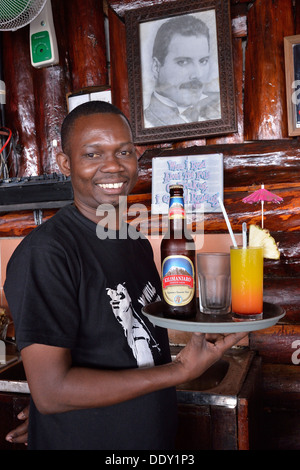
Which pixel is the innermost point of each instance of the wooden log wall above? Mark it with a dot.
(36, 98)
(259, 152)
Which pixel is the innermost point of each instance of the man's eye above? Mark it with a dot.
(125, 153)
(182, 62)
(204, 61)
(92, 155)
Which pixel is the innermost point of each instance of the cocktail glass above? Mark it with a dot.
(246, 264)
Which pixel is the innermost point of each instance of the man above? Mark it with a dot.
(181, 68)
(76, 302)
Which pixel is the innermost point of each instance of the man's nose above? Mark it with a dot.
(111, 164)
(197, 71)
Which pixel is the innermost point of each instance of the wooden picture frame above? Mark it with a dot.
(292, 77)
(214, 95)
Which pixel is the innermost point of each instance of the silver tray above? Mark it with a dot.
(205, 323)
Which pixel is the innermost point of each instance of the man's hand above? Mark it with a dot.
(19, 435)
(202, 351)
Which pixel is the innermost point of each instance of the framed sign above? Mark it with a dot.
(88, 94)
(292, 75)
(200, 175)
(180, 70)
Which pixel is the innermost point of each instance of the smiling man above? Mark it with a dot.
(98, 370)
(103, 167)
(181, 68)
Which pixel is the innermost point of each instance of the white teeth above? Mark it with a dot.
(111, 185)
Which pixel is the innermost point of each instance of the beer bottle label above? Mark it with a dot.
(178, 280)
(176, 208)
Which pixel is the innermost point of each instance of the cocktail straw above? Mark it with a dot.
(244, 231)
(227, 222)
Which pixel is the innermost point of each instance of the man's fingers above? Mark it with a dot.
(24, 414)
(230, 340)
(18, 435)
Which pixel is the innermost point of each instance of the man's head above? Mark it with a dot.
(99, 155)
(86, 109)
(181, 53)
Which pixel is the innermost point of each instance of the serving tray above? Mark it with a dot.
(206, 323)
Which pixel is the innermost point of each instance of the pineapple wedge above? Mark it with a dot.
(261, 237)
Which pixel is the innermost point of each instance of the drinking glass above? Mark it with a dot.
(247, 282)
(214, 282)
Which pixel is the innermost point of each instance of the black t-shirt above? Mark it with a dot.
(67, 287)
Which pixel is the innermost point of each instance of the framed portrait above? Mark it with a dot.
(180, 70)
(292, 76)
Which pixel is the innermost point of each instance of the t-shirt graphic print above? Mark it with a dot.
(139, 337)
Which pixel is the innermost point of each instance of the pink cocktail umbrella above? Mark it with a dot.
(262, 195)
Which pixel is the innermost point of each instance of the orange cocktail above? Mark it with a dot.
(247, 281)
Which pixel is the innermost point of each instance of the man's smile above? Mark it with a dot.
(110, 185)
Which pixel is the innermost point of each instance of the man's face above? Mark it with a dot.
(102, 161)
(185, 70)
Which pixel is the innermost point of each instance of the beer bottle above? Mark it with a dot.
(178, 261)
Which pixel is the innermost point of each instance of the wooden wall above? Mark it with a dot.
(259, 152)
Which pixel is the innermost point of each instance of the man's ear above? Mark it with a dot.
(155, 67)
(63, 162)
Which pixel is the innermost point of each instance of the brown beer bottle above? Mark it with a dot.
(178, 261)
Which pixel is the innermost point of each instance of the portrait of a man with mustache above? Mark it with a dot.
(181, 67)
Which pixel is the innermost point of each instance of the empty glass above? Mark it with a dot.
(214, 282)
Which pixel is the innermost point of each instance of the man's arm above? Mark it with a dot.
(56, 386)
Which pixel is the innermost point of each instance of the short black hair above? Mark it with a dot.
(186, 25)
(85, 109)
